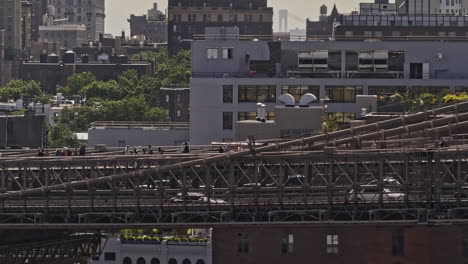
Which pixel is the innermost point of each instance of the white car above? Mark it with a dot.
(193, 197)
(372, 193)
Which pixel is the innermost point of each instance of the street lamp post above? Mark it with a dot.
(325, 100)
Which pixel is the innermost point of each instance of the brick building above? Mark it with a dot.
(187, 18)
(177, 102)
(152, 26)
(342, 243)
(324, 27)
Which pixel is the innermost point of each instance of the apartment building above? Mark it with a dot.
(10, 21)
(91, 13)
(229, 77)
(187, 19)
(405, 19)
(39, 9)
(153, 27)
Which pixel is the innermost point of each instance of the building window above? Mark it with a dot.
(332, 244)
(416, 70)
(212, 53)
(167, 98)
(141, 260)
(465, 246)
(200, 261)
(243, 243)
(172, 261)
(243, 116)
(186, 261)
(178, 113)
(127, 260)
(227, 93)
(228, 53)
(297, 91)
(257, 93)
(155, 261)
(339, 94)
(287, 244)
(398, 245)
(109, 256)
(227, 120)
(220, 18)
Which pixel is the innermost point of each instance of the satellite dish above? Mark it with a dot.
(307, 99)
(287, 99)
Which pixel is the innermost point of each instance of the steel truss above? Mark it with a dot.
(75, 249)
(255, 188)
(252, 186)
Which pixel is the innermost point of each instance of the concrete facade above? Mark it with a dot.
(88, 13)
(189, 18)
(289, 121)
(441, 66)
(152, 253)
(121, 134)
(68, 36)
(22, 131)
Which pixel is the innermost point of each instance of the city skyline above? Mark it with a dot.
(120, 11)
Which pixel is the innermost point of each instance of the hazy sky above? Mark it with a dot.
(118, 11)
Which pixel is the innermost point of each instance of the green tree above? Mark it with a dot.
(104, 90)
(16, 89)
(61, 136)
(76, 82)
(170, 70)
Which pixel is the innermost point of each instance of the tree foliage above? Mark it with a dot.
(129, 109)
(16, 89)
(76, 82)
(61, 136)
(171, 70)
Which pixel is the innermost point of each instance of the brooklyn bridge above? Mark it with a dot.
(408, 168)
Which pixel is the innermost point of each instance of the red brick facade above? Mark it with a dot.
(426, 244)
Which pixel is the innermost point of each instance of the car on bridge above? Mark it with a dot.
(292, 181)
(462, 193)
(196, 198)
(372, 193)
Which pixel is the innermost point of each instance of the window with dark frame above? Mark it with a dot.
(332, 244)
(465, 247)
(287, 244)
(398, 245)
(243, 243)
(227, 120)
(257, 93)
(343, 94)
(227, 93)
(109, 256)
(243, 116)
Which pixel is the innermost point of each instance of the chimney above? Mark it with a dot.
(155, 6)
